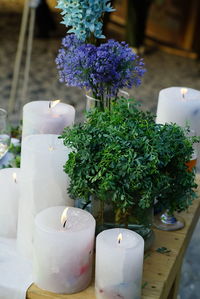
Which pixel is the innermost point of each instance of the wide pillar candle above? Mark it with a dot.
(63, 254)
(43, 183)
(44, 117)
(119, 264)
(181, 106)
(9, 186)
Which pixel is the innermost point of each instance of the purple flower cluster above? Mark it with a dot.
(103, 70)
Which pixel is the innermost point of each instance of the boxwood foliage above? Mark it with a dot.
(122, 156)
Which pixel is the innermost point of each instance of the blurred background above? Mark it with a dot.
(166, 33)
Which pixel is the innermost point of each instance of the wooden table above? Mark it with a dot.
(161, 271)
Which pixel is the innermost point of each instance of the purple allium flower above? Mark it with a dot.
(103, 70)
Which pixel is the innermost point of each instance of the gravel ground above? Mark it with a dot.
(163, 70)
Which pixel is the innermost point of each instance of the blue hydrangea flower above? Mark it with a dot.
(103, 70)
(84, 16)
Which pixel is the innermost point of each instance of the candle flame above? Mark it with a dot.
(64, 217)
(119, 238)
(14, 177)
(53, 103)
(183, 92)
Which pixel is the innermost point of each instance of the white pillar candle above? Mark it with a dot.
(119, 264)
(9, 188)
(43, 183)
(63, 254)
(42, 117)
(181, 106)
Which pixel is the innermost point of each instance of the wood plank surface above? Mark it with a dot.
(161, 271)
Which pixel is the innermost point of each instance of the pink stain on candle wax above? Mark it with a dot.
(84, 269)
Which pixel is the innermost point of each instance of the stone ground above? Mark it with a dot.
(163, 70)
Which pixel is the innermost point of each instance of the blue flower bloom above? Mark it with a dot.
(84, 16)
(103, 70)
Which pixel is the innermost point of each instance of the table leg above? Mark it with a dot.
(175, 287)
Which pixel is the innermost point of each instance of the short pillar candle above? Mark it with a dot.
(63, 249)
(119, 264)
(9, 186)
(46, 117)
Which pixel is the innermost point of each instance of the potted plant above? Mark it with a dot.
(117, 165)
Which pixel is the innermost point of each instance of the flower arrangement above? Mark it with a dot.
(101, 69)
(126, 160)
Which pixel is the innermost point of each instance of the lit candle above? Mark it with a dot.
(43, 183)
(9, 201)
(119, 264)
(44, 117)
(63, 249)
(181, 106)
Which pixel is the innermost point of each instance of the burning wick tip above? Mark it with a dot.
(119, 241)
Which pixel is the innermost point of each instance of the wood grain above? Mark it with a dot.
(161, 271)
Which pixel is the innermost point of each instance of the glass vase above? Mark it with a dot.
(101, 104)
(107, 216)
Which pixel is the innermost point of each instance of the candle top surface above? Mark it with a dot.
(9, 174)
(121, 238)
(180, 94)
(40, 108)
(44, 142)
(49, 220)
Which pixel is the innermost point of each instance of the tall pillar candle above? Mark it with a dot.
(9, 186)
(119, 264)
(44, 117)
(43, 182)
(63, 249)
(181, 106)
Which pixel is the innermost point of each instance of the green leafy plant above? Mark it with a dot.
(122, 157)
(176, 183)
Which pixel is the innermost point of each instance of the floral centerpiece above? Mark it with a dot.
(119, 161)
(101, 69)
(126, 161)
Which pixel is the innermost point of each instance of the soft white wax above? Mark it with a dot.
(43, 183)
(119, 265)
(9, 188)
(181, 106)
(39, 118)
(63, 256)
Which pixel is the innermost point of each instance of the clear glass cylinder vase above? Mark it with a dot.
(108, 216)
(101, 104)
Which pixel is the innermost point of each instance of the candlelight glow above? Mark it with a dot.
(14, 177)
(64, 217)
(183, 92)
(53, 103)
(119, 238)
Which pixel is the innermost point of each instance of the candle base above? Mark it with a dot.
(167, 222)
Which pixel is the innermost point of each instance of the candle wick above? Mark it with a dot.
(64, 223)
(49, 105)
(183, 96)
(119, 241)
